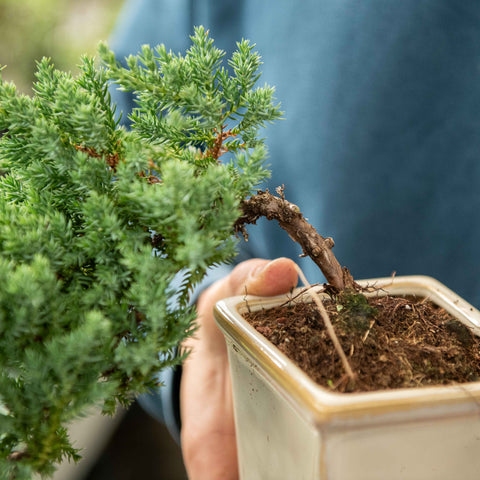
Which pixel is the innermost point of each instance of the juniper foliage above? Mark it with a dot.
(96, 222)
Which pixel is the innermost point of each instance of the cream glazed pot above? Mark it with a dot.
(288, 427)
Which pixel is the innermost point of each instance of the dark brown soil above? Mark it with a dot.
(393, 342)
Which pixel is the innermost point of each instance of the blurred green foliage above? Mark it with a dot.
(60, 29)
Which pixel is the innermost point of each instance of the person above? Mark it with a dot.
(379, 148)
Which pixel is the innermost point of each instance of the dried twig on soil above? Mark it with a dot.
(328, 325)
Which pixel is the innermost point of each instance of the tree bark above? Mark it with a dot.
(289, 217)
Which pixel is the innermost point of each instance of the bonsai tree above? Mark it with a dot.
(104, 231)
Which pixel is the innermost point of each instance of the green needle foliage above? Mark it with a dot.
(104, 231)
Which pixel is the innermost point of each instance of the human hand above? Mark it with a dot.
(208, 430)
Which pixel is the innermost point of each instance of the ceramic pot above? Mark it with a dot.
(288, 427)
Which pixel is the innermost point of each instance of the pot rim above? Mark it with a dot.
(324, 405)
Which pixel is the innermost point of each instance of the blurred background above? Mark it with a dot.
(60, 29)
(131, 446)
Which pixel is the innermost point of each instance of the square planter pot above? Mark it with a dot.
(288, 427)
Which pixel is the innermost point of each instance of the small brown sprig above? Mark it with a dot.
(112, 159)
(218, 148)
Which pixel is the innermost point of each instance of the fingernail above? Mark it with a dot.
(259, 270)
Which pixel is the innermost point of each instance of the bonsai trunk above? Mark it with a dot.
(289, 217)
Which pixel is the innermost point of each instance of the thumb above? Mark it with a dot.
(263, 277)
(254, 277)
